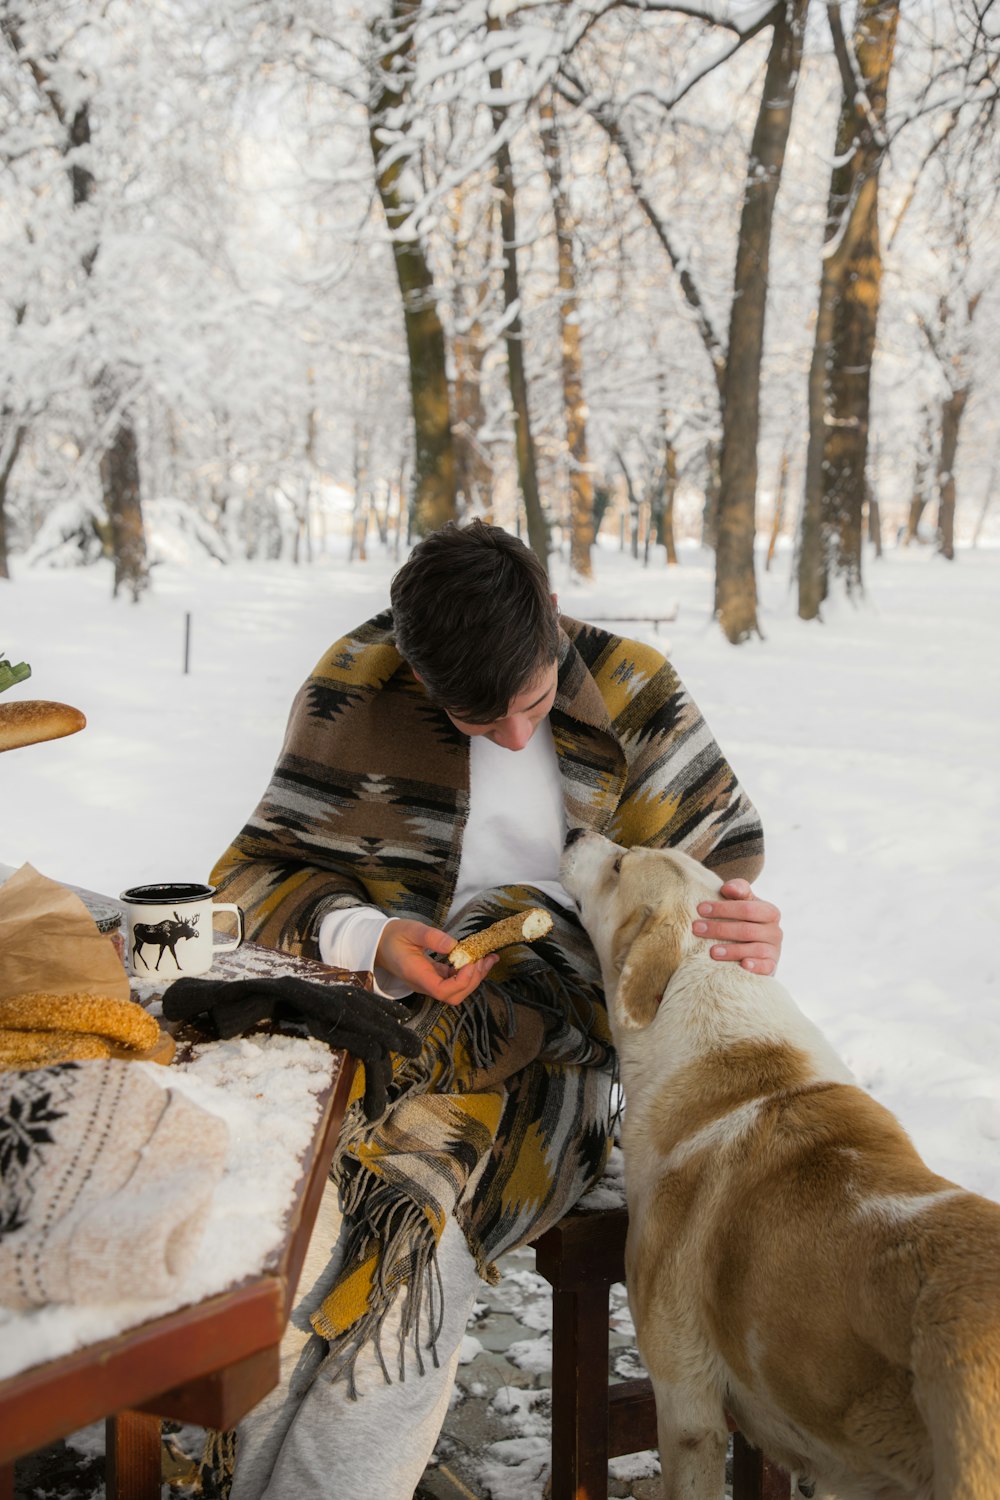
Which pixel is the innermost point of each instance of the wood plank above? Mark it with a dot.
(223, 1398)
(43, 1404)
(133, 1459)
(631, 1417)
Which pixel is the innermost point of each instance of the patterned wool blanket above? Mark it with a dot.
(367, 804)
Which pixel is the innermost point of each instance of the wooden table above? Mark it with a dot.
(206, 1364)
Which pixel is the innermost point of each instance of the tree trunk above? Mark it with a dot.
(987, 499)
(921, 470)
(119, 465)
(780, 501)
(845, 450)
(951, 421)
(434, 496)
(847, 319)
(358, 551)
(812, 542)
(527, 472)
(473, 464)
(122, 500)
(954, 362)
(917, 504)
(710, 509)
(666, 526)
(735, 585)
(581, 486)
(9, 459)
(874, 522)
(304, 535)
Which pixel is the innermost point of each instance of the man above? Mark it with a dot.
(432, 766)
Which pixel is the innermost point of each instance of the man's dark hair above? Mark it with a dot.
(473, 616)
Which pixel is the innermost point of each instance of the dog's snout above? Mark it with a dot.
(573, 835)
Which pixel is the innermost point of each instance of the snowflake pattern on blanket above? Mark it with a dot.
(26, 1113)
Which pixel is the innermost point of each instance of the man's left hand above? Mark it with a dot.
(745, 930)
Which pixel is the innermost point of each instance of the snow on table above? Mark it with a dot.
(267, 1089)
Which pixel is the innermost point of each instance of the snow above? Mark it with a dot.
(868, 742)
(267, 1089)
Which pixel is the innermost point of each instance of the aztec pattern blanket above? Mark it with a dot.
(510, 1096)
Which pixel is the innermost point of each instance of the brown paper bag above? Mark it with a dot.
(50, 942)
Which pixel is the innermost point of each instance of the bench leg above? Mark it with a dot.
(580, 1345)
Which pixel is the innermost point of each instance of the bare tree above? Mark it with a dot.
(434, 477)
(780, 501)
(119, 461)
(920, 493)
(955, 368)
(736, 366)
(847, 319)
(735, 584)
(581, 486)
(469, 346)
(524, 446)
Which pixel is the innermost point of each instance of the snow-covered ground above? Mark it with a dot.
(869, 743)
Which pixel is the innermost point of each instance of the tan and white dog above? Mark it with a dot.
(791, 1259)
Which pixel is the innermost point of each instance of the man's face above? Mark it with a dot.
(523, 716)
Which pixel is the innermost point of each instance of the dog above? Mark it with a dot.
(791, 1260)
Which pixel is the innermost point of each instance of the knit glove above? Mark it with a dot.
(344, 1015)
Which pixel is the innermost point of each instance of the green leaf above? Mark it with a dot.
(9, 674)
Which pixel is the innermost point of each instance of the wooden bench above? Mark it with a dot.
(593, 1420)
(655, 620)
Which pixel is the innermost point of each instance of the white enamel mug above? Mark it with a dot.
(171, 929)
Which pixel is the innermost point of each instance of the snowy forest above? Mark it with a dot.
(276, 274)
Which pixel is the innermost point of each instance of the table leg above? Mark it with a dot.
(6, 1482)
(132, 1460)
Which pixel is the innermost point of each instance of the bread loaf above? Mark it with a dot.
(34, 719)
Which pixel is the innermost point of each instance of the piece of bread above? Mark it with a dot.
(42, 1049)
(95, 1015)
(522, 927)
(34, 719)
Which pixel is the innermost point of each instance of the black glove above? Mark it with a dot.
(344, 1015)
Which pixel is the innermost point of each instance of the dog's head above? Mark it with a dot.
(637, 906)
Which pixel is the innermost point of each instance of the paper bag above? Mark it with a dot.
(50, 942)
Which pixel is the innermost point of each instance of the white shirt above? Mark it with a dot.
(514, 835)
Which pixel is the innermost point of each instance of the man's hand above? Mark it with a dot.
(404, 950)
(748, 931)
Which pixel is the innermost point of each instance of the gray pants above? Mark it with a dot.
(308, 1438)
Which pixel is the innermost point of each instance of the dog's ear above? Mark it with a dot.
(650, 949)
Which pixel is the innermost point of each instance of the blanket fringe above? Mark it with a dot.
(392, 1231)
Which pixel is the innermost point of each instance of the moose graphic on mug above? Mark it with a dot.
(176, 917)
(164, 935)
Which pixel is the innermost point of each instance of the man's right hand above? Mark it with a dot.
(404, 950)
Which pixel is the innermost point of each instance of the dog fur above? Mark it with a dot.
(790, 1258)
